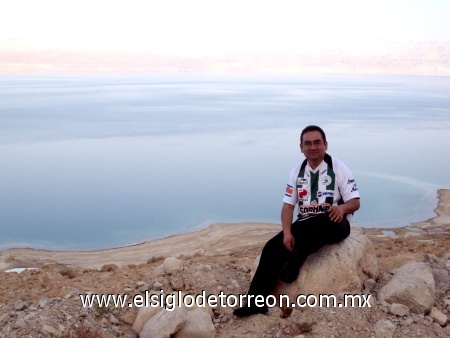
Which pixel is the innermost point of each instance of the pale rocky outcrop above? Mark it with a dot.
(412, 285)
(341, 267)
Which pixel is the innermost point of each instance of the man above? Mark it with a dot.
(327, 196)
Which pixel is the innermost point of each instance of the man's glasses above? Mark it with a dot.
(309, 144)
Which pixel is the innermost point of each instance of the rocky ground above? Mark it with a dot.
(45, 302)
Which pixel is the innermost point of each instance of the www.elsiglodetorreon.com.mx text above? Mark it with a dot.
(180, 299)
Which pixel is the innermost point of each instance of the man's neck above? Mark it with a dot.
(315, 164)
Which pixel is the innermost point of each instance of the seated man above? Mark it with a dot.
(327, 197)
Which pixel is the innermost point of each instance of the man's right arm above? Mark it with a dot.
(287, 212)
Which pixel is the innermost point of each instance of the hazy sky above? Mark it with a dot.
(200, 27)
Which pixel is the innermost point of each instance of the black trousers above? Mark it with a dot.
(310, 235)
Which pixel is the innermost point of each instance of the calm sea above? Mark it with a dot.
(101, 161)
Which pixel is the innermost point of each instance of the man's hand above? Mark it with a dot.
(336, 214)
(286, 222)
(288, 241)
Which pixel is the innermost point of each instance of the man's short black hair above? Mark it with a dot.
(313, 128)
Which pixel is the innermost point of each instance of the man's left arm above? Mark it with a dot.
(349, 193)
(338, 212)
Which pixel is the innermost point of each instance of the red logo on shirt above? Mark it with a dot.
(302, 193)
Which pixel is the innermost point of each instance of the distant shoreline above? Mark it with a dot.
(385, 224)
(217, 239)
(406, 58)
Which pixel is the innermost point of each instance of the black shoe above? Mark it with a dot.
(289, 273)
(246, 311)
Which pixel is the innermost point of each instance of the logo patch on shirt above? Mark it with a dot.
(302, 181)
(289, 190)
(325, 193)
(302, 193)
(326, 180)
(314, 209)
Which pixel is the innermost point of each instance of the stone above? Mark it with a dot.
(144, 288)
(20, 324)
(438, 316)
(20, 306)
(172, 300)
(176, 280)
(157, 285)
(3, 316)
(189, 304)
(113, 319)
(234, 284)
(109, 267)
(172, 263)
(43, 302)
(446, 256)
(159, 271)
(398, 309)
(341, 267)
(49, 330)
(407, 322)
(164, 324)
(73, 293)
(369, 285)
(412, 285)
(275, 312)
(198, 324)
(129, 318)
(143, 316)
(384, 329)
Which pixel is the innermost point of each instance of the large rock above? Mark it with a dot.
(171, 263)
(198, 324)
(412, 285)
(341, 267)
(143, 316)
(148, 312)
(164, 324)
(187, 302)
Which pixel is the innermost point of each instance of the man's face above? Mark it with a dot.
(313, 146)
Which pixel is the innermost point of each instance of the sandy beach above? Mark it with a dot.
(218, 239)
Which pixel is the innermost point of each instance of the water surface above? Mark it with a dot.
(101, 161)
